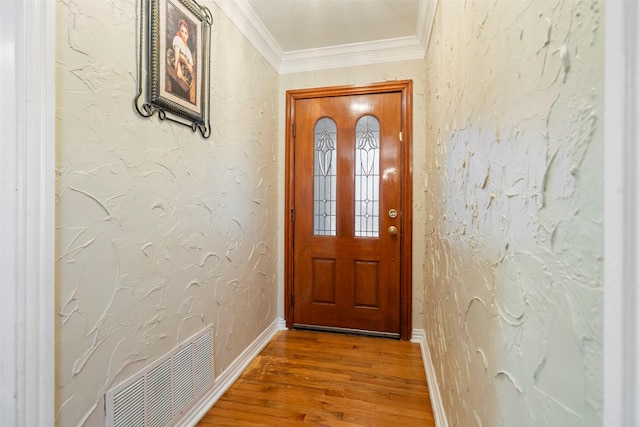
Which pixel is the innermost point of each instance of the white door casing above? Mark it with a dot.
(27, 160)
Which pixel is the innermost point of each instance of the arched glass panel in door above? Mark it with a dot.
(324, 177)
(367, 177)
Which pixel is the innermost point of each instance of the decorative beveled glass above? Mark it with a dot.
(367, 177)
(324, 177)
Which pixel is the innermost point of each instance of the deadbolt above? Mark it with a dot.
(393, 230)
(393, 213)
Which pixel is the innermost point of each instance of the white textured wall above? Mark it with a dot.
(409, 70)
(159, 232)
(514, 240)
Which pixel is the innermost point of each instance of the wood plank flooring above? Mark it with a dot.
(323, 379)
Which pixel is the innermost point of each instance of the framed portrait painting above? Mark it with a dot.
(177, 49)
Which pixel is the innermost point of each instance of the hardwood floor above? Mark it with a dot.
(322, 379)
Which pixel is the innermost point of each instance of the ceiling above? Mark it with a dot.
(307, 35)
(312, 24)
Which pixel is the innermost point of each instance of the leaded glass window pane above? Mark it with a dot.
(324, 178)
(367, 177)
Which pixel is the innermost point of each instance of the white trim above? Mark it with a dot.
(27, 120)
(10, 240)
(621, 376)
(245, 19)
(350, 55)
(40, 211)
(439, 414)
(426, 16)
(633, 56)
(230, 375)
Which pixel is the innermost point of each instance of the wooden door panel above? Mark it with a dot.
(342, 270)
(366, 281)
(343, 277)
(323, 280)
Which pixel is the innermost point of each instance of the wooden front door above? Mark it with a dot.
(347, 209)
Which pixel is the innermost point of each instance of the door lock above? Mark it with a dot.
(393, 213)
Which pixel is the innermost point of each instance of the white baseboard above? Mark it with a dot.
(418, 336)
(222, 383)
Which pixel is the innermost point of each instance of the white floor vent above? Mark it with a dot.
(160, 393)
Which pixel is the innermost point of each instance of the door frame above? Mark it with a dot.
(405, 88)
(27, 212)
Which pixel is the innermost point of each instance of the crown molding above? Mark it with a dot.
(350, 55)
(410, 48)
(244, 18)
(426, 16)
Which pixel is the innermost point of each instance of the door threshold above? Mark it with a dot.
(346, 331)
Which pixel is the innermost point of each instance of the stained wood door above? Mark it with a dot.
(346, 214)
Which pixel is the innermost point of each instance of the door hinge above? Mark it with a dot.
(293, 131)
(293, 215)
(400, 136)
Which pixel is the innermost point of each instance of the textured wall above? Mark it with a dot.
(159, 232)
(409, 70)
(513, 290)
